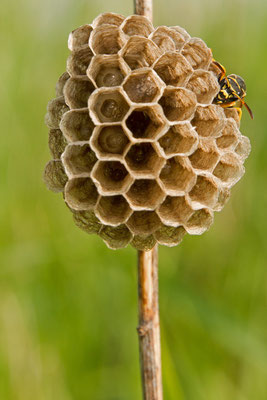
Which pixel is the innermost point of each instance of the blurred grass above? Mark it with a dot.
(67, 303)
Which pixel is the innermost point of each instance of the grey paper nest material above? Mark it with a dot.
(139, 150)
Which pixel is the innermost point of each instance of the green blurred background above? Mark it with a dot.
(67, 303)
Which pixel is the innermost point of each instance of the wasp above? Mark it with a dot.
(232, 91)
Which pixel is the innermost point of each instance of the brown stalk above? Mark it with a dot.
(148, 305)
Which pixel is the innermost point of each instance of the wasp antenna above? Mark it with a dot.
(249, 110)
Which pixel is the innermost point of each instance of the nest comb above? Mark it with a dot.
(139, 151)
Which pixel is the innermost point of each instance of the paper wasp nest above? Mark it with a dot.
(139, 150)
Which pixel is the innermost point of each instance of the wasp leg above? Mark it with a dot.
(239, 110)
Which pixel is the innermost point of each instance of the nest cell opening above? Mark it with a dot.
(142, 87)
(169, 235)
(110, 141)
(178, 103)
(107, 70)
(145, 193)
(143, 222)
(197, 53)
(229, 169)
(175, 210)
(209, 120)
(77, 125)
(199, 222)
(77, 92)
(116, 237)
(79, 37)
(142, 159)
(79, 159)
(140, 52)
(204, 85)
(161, 36)
(181, 139)
(81, 193)
(113, 210)
(79, 61)
(206, 156)
(204, 193)
(145, 122)
(106, 39)
(230, 136)
(173, 69)
(112, 176)
(243, 148)
(137, 25)
(109, 105)
(177, 176)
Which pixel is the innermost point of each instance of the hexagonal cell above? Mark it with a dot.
(116, 237)
(107, 70)
(204, 193)
(182, 32)
(169, 235)
(137, 25)
(145, 193)
(143, 222)
(79, 61)
(110, 142)
(143, 242)
(162, 37)
(113, 210)
(54, 176)
(143, 160)
(243, 148)
(178, 103)
(81, 193)
(206, 156)
(173, 68)
(56, 143)
(77, 125)
(143, 86)
(197, 53)
(204, 85)
(108, 105)
(61, 83)
(200, 222)
(79, 159)
(223, 197)
(77, 92)
(79, 37)
(87, 221)
(140, 52)
(232, 113)
(175, 211)
(177, 176)
(56, 108)
(106, 39)
(108, 18)
(229, 169)
(230, 136)
(181, 139)
(209, 120)
(146, 122)
(112, 177)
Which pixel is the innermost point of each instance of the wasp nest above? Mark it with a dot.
(139, 150)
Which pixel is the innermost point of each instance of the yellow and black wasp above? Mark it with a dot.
(232, 91)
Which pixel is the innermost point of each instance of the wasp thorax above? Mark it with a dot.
(139, 150)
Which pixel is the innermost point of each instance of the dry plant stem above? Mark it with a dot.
(149, 328)
(144, 7)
